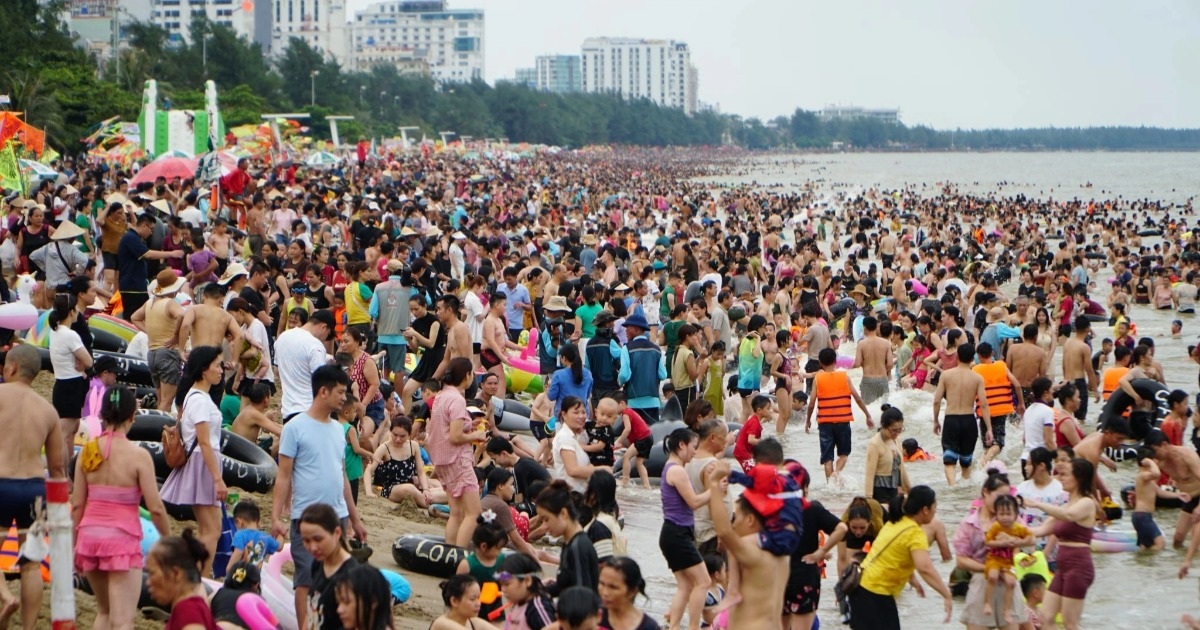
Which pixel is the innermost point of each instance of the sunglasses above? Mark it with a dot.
(504, 576)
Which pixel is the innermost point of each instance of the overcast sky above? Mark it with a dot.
(944, 63)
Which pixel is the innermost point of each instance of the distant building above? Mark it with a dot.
(175, 16)
(655, 69)
(449, 41)
(319, 23)
(851, 112)
(526, 77)
(559, 74)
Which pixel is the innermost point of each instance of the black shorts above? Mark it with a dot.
(643, 447)
(709, 547)
(678, 546)
(883, 495)
(999, 429)
(834, 435)
(1065, 330)
(222, 265)
(960, 433)
(538, 429)
(1191, 505)
(802, 595)
(1082, 385)
(110, 261)
(18, 498)
(68, 396)
(476, 348)
(746, 393)
(243, 388)
(872, 611)
(887, 260)
(488, 359)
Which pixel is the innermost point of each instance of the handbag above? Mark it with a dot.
(851, 577)
(174, 453)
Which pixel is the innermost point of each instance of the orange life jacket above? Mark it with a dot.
(998, 388)
(832, 390)
(1112, 380)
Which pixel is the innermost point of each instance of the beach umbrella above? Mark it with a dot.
(176, 153)
(322, 159)
(166, 167)
(38, 170)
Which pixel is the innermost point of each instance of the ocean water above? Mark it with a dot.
(1132, 590)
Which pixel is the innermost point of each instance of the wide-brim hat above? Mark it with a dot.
(859, 290)
(603, 318)
(558, 304)
(589, 239)
(637, 320)
(67, 231)
(160, 286)
(233, 271)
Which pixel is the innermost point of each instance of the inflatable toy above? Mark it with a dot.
(918, 287)
(17, 316)
(1105, 541)
(516, 380)
(1121, 454)
(119, 328)
(1140, 422)
(845, 362)
(841, 307)
(1128, 496)
(510, 415)
(427, 555)
(1038, 566)
(10, 552)
(1150, 233)
(255, 612)
(856, 329)
(133, 370)
(244, 465)
(277, 589)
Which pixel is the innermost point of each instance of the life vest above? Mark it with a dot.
(832, 390)
(1112, 380)
(997, 387)
(918, 455)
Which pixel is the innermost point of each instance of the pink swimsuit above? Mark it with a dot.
(110, 532)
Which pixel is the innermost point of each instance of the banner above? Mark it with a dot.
(10, 170)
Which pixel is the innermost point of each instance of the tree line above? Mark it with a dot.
(65, 90)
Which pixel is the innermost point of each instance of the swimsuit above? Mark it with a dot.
(395, 472)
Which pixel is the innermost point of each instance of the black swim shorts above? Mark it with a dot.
(960, 433)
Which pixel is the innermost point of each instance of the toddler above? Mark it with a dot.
(1002, 538)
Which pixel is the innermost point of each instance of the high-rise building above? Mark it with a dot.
(854, 112)
(450, 41)
(559, 74)
(655, 69)
(319, 23)
(175, 16)
(526, 77)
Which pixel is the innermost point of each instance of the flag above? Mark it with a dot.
(10, 170)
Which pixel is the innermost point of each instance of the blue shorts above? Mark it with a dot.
(395, 356)
(834, 435)
(1147, 530)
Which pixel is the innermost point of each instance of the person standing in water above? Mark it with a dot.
(834, 392)
(962, 389)
(874, 355)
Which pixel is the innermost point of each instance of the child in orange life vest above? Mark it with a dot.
(913, 451)
(339, 313)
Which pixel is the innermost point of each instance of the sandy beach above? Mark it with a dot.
(385, 523)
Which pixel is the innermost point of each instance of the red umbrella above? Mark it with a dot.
(166, 167)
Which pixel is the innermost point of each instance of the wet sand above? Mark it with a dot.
(385, 523)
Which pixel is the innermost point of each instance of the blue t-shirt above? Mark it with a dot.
(318, 454)
(514, 316)
(131, 267)
(256, 545)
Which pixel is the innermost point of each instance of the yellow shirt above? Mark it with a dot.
(889, 565)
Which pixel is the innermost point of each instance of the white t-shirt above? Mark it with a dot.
(1037, 417)
(257, 333)
(198, 407)
(565, 440)
(297, 355)
(1053, 494)
(651, 303)
(474, 308)
(63, 344)
(192, 216)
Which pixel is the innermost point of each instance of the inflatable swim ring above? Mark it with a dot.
(18, 316)
(510, 415)
(918, 287)
(133, 371)
(518, 380)
(254, 611)
(1140, 422)
(1122, 454)
(1039, 565)
(399, 586)
(1150, 232)
(244, 465)
(427, 555)
(1106, 541)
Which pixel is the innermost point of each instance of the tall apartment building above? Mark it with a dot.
(319, 23)
(175, 16)
(559, 74)
(450, 41)
(655, 69)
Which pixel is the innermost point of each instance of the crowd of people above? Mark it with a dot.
(647, 298)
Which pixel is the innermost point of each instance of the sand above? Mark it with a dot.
(385, 523)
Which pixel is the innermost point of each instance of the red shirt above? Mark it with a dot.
(1173, 430)
(234, 184)
(193, 610)
(638, 430)
(741, 448)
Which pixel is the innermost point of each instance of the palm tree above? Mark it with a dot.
(29, 95)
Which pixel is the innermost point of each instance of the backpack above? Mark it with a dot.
(174, 452)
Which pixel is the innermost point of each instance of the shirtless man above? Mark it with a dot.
(758, 569)
(1027, 361)
(1077, 366)
(887, 253)
(32, 425)
(874, 355)
(219, 242)
(900, 289)
(160, 319)
(962, 389)
(1182, 465)
(458, 336)
(1111, 435)
(256, 224)
(495, 339)
(209, 324)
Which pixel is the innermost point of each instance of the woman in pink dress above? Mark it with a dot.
(104, 508)
(449, 441)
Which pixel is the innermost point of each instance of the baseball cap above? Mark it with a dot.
(323, 316)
